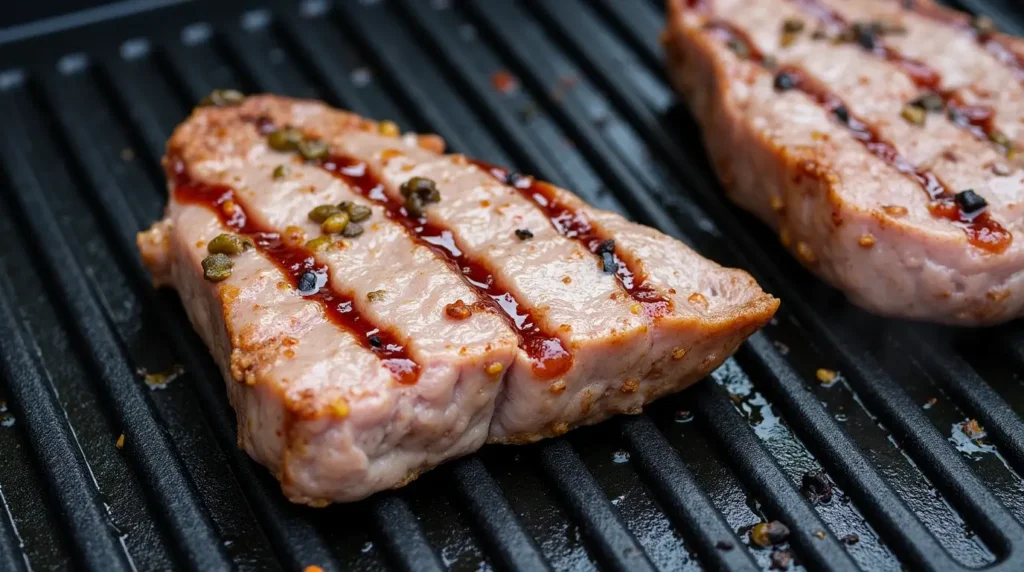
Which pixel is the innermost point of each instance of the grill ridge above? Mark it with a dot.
(172, 489)
(55, 445)
(429, 88)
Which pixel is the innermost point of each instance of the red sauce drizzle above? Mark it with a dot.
(295, 261)
(550, 357)
(982, 230)
(572, 225)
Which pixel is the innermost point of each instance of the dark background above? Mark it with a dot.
(15, 13)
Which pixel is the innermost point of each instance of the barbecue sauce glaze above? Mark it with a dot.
(295, 261)
(549, 356)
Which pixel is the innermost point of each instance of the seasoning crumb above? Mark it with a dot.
(494, 368)
(819, 534)
(894, 210)
(160, 379)
(636, 309)
(558, 386)
(523, 234)
(127, 154)
(805, 252)
(784, 237)
(972, 429)
(339, 407)
(504, 81)
(458, 310)
(826, 376)
(850, 539)
(376, 295)
(678, 353)
(698, 299)
(388, 129)
(866, 240)
(630, 386)
(765, 534)
(281, 171)
(120, 441)
(930, 403)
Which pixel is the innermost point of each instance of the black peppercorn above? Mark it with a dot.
(842, 113)
(608, 263)
(969, 201)
(307, 283)
(523, 233)
(784, 82)
(866, 38)
(516, 180)
(376, 342)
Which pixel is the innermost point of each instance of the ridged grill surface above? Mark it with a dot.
(86, 105)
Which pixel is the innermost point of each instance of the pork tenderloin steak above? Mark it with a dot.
(876, 137)
(378, 307)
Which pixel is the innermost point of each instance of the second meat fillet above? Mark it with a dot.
(378, 307)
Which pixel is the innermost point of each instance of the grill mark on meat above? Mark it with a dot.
(573, 225)
(981, 229)
(989, 41)
(549, 355)
(295, 261)
(975, 119)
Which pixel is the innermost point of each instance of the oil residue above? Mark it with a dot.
(160, 379)
(6, 419)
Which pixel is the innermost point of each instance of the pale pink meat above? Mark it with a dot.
(847, 215)
(319, 408)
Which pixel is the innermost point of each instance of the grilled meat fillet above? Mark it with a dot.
(876, 137)
(378, 307)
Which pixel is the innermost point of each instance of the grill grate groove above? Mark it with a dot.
(427, 65)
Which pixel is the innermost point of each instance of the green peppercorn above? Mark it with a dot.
(421, 187)
(217, 267)
(323, 212)
(739, 47)
(1000, 138)
(352, 230)
(345, 205)
(983, 25)
(229, 244)
(414, 206)
(335, 223)
(930, 101)
(320, 243)
(286, 139)
(223, 98)
(793, 25)
(281, 171)
(359, 213)
(312, 149)
(913, 114)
